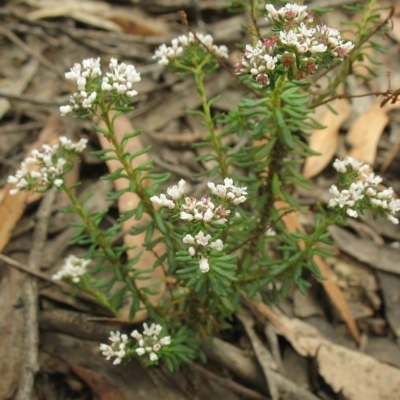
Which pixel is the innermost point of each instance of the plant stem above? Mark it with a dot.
(121, 155)
(103, 244)
(278, 151)
(215, 139)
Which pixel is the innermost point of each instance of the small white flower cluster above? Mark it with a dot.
(363, 188)
(204, 210)
(44, 168)
(90, 82)
(165, 53)
(73, 267)
(149, 342)
(291, 12)
(117, 349)
(120, 78)
(175, 192)
(228, 191)
(293, 44)
(199, 245)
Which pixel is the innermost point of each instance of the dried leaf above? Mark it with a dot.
(325, 141)
(364, 134)
(138, 22)
(91, 13)
(359, 376)
(292, 223)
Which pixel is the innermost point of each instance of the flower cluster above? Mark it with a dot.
(47, 167)
(91, 82)
(199, 244)
(118, 348)
(73, 268)
(204, 212)
(229, 191)
(293, 46)
(361, 191)
(148, 344)
(164, 54)
(120, 78)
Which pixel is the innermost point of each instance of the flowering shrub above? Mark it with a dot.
(216, 247)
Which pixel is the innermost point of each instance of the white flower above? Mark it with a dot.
(217, 245)
(64, 110)
(373, 179)
(153, 356)
(149, 342)
(163, 201)
(121, 78)
(392, 219)
(117, 348)
(271, 11)
(186, 216)
(73, 267)
(204, 265)
(201, 239)
(317, 48)
(77, 147)
(140, 351)
(177, 191)
(352, 213)
(107, 351)
(165, 341)
(364, 185)
(188, 239)
(164, 54)
(135, 334)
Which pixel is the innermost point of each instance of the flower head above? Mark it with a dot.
(46, 168)
(164, 54)
(295, 44)
(362, 191)
(72, 268)
(149, 343)
(92, 85)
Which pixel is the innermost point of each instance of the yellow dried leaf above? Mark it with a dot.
(364, 134)
(325, 141)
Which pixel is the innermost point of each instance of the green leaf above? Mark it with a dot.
(284, 131)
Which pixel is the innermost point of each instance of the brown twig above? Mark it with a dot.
(390, 95)
(41, 102)
(241, 390)
(26, 49)
(30, 300)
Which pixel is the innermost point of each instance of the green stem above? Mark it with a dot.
(277, 154)
(103, 244)
(215, 139)
(126, 164)
(99, 297)
(308, 245)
